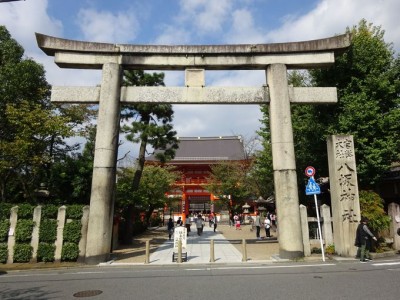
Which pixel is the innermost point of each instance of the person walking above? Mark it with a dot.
(199, 224)
(267, 225)
(170, 228)
(257, 223)
(237, 222)
(179, 222)
(187, 225)
(215, 222)
(363, 239)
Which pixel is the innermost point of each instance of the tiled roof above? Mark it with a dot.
(209, 149)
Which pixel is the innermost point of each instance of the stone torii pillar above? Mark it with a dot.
(275, 59)
(284, 164)
(104, 166)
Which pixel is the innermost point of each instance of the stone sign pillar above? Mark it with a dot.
(104, 167)
(284, 165)
(344, 193)
(394, 214)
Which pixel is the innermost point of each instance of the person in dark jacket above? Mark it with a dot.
(363, 239)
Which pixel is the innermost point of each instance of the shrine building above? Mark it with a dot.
(194, 159)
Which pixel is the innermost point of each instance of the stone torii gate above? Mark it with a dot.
(275, 59)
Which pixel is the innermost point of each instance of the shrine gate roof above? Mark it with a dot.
(192, 149)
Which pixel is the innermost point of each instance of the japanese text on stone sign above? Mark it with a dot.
(344, 148)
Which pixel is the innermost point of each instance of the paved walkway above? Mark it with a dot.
(198, 249)
(227, 247)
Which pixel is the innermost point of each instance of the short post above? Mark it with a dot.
(212, 258)
(179, 260)
(244, 251)
(319, 228)
(147, 258)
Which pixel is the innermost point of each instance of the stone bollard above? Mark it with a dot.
(35, 233)
(179, 260)
(305, 231)
(212, 257)
(60, 233)
(147, 258)
(11, 234)
(244, 251)
(84, 228)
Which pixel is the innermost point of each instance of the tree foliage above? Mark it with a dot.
(372, 207)
(231, 183)
(367, 77)
(32, 130)
(156, 181)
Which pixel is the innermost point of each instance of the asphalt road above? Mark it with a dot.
(333, 280)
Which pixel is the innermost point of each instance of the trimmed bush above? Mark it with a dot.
(70, 252)
(46, 252)
(5, 210)
(48, 231)
(4, 227)
(23, 231)
(330, 249)
(3, 253)
(372, 207)
(74, 212)
(25, 211)
(138, 227)
(49, 211)
(72, 232)
(155, 221)
(22, 253)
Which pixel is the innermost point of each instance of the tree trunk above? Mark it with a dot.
(128, 232)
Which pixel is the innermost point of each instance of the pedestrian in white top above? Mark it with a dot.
(267, 225)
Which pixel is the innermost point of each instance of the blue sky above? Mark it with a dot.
(191, 22)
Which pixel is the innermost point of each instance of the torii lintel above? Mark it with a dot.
(92, 55)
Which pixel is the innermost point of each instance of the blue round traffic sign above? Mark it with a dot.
(310, 171)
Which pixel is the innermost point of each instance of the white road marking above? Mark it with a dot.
(387, 264)
(259, 267)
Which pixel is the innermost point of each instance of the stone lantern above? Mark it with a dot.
(246, 208)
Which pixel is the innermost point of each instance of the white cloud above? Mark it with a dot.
(195, 18)
(213, 15)
(216, 120)
(25, 18)
(105, 26)
(172, 35)
(243, 29)
(331, 17)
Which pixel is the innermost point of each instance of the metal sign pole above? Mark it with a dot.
(319, 228)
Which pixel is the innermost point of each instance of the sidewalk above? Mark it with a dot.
(227, 247)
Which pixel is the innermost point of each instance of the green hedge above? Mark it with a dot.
(23, 231)
(4, 227)
(22, 253)
(25, 211)
(72, 232)
(46, 252)
(155, 221)
(3, 253)
(70, 252)
(74, 212)
(48, 231)
(49, 211)
(5, 210)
